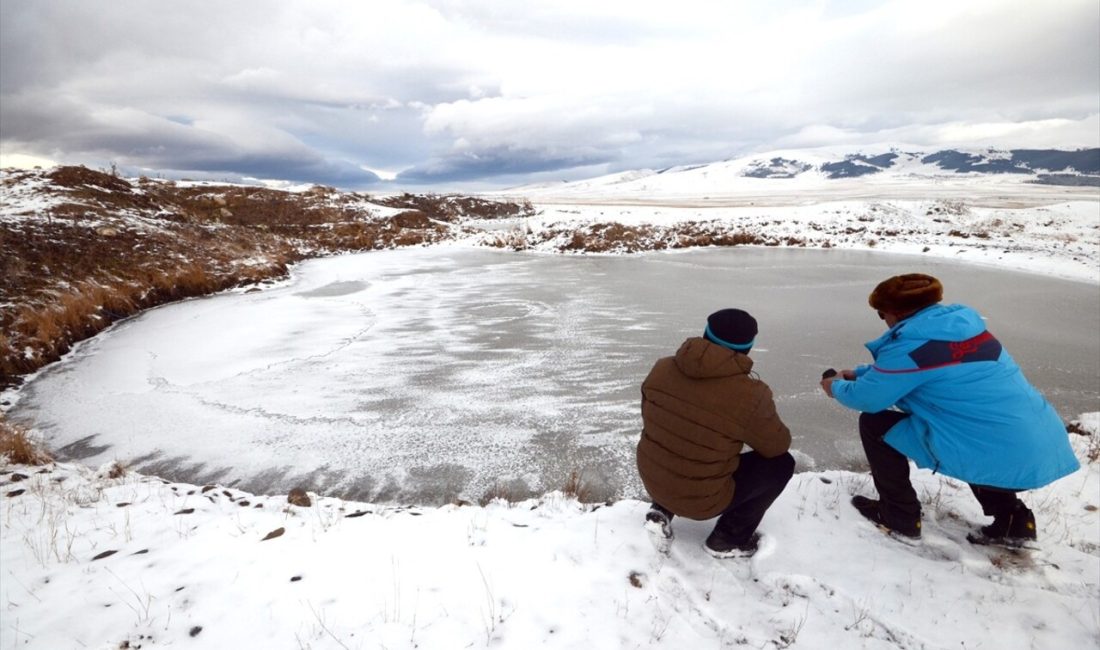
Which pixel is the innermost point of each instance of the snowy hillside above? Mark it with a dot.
(876, 171)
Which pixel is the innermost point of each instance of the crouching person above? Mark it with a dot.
(699, 410)
(964, 409)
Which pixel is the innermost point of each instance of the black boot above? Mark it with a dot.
(872, 509)
(721, 548)
(1010, 529)
(658, 521)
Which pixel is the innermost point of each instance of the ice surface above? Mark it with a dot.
(425, 375)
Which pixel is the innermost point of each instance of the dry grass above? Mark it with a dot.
(619, 238)
(17, 447)
(108, 249)
(497, 491)
(1093, 451)
(116, 470)
(575, 487)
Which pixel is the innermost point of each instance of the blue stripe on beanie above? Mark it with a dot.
(740, 347)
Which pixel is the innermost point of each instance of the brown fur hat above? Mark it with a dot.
(902, 294)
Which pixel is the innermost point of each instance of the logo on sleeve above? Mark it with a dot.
(934, 354)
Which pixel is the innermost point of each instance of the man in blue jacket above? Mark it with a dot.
(964, 409)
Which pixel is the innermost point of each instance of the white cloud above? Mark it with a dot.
(429, 84)
(23, 161)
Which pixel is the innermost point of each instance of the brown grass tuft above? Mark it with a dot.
(116, 470)
(1093, 451)
(576, 487)
(497, 491)
(17, 447)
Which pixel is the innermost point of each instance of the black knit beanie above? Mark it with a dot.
(731, 328)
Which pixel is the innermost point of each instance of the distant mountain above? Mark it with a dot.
(820, 168)
(1019, 161)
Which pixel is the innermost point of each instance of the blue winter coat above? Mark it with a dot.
(973, 415)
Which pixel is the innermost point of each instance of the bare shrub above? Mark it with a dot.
(17, 447)
(497, 491)
(116, 470)
(1093, 451)
(576, 487)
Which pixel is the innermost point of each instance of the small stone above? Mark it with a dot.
(273, 534)
(185, 511)
(298, 497)
(195, 630)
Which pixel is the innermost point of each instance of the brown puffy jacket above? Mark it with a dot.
(699, 409)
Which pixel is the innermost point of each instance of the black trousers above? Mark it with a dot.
(759, 481)
(890, 473)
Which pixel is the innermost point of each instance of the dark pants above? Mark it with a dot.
(890, 472)
(759, 481)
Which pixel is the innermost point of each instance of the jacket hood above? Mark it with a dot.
(698, 358)
(936, 323)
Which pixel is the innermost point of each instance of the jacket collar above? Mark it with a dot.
(700, 359)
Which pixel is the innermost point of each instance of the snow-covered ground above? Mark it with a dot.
(189, 566)
(1060, 238)
(138, 562)
(1005, 220)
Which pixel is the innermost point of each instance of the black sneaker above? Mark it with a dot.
(720, 548)
(872, 509)
(1016, 528)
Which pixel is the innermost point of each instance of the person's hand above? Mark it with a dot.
(848, 374)
(827, 384)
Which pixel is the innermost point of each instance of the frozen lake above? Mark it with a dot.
(426, 375)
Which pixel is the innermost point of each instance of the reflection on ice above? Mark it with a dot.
(333, 289)
(435, 374)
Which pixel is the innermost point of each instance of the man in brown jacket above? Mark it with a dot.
(699, 410)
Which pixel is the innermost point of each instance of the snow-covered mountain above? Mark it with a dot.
(838, 169)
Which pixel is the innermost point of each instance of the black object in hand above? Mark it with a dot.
(828, 373)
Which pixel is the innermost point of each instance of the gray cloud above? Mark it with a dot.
(501, 161)
(472, 90)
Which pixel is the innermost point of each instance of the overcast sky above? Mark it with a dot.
(480, 94)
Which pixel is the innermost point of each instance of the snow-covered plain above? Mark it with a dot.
(184, 565)
(208, 567)
(911, 207)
